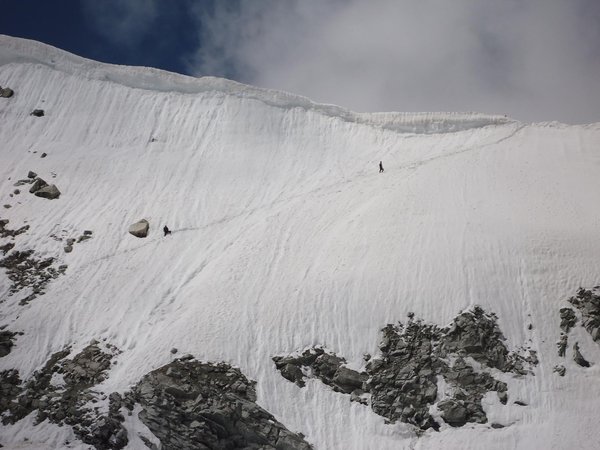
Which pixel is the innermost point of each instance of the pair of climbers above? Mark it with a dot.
(166, 230)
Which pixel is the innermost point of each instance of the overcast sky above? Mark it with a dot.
(534, 60)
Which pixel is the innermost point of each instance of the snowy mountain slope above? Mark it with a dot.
(285, 236)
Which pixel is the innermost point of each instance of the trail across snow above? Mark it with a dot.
(286, 236)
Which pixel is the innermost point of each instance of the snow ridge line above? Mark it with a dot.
(16, 50)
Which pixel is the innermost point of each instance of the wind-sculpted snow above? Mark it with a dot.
(284, 236)
(29, 52)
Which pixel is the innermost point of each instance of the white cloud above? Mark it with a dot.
(532, 59)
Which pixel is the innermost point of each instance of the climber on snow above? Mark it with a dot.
(380, 166)
(166, 230)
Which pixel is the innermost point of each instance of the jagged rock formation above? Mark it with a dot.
(6, 342)
(567, 319)
(188, 404)
(140, 229)
(5, 232)
(588, 304)
(562, 344)
(62, 393)
(402, 381)
(25, 270)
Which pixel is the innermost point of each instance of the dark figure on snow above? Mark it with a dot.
(380, 166)
(166, 230)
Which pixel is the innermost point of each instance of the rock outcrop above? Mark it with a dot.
(588, 303)
(402, 382)
(25, 270)
(189, 404)
(61, 392)
(6, 342)
(37, 113)
(140, 229)
(50, 192)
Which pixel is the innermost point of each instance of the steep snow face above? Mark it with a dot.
(286, 236)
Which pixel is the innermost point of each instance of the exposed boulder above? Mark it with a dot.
(562, 344)
(560, 370)
(140, 229)
(50, 192)
(31, 174)
(6, 92)
(6, 342)
(190, 405)
(567, 319)
(38, 184)
(37, 113)
(588, 303)
(578, 357)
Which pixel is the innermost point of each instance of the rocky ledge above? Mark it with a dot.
(401, 383)
(186, 404)
(189, 404)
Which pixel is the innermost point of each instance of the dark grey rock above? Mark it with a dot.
(192, 405)
(560, 370)
(49, 192)
(6, 342)
(38, 184)
(453, 412)
(43, 155)
(31, 174)
(578, 357)
(348, 380)
(37, 113)
(401, 382)
(25, 270)
(567, 319)
(562, 345)
(588, 303)
(6, 92)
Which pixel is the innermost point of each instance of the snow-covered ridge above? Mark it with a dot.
(17, 50)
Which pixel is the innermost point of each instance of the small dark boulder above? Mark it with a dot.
(50, 192)
(578, 357)
(37, 185)
(37, 113)
(6, 92)
(31, 174)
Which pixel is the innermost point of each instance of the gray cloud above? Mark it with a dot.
(532, 59)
